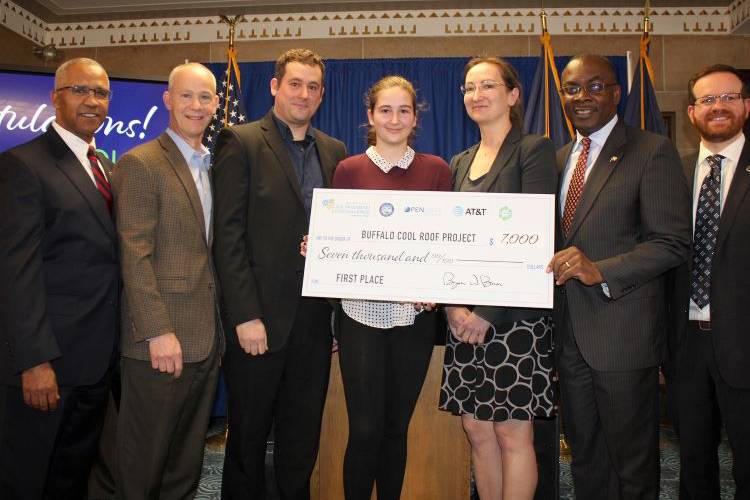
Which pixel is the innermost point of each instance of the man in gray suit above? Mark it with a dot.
(624, 221)
(170, 339)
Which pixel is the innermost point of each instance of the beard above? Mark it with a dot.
(720, 132)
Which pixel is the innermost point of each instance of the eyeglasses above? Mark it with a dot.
(593, 88)
(710, 100)
(84, 91)
(485, 87)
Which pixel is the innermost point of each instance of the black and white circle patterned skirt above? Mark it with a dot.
(509, 376)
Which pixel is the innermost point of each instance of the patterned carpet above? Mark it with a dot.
(210, 485)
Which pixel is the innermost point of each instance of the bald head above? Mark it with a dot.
(191, 67)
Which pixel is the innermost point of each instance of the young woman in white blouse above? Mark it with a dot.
(385, 347)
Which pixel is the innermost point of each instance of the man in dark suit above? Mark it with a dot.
(60, 293)
(170, 339)
(709, 363)
(278, 343)
(623, 224)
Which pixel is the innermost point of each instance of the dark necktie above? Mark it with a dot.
(102, 184)
(707, 213)
(575, 188)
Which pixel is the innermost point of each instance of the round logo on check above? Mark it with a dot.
(386, 209)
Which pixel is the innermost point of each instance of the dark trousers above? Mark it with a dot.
(547, 449)
(101, 483)
(699, 403)
(611, 421)
(161, 428)
(382, 372)
(49, 454)
(286, 388)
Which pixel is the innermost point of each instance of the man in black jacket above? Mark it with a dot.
(707, 373)
(278, 351)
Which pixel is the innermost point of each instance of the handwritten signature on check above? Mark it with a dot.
(475, 280)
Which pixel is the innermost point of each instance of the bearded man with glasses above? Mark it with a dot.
(707, 373)
(624, 222)
(59, 298)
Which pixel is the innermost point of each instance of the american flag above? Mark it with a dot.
(231, 108)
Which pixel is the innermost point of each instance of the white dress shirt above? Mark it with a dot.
(80, 148)
(731, 154)
(198, 161)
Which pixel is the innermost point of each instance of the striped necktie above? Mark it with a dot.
(102, 184)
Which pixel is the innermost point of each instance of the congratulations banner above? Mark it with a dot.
(136, 112)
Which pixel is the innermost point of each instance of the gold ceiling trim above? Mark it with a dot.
(368, 24)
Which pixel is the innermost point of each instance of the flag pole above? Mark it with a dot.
(231, 58)
(644, 60)
(549, 65)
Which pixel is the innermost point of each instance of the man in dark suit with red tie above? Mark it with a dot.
(59, 299)
(622, 226)
(708, 373)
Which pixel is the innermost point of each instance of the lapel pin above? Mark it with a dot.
(747, 169)
(613, 159)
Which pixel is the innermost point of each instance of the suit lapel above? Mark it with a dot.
(462, 166)
(68, 163)
(181, 169)
(608, 159)
(688, 167)
(276, 143)
(503, 156)
(326, 161)
(737, 192)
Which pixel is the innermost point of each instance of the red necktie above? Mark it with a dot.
(102, 184)
(575, 188)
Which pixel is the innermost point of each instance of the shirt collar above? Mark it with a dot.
(75, 143)
(286, 132)
(732, 151)
(599, 137)
(385, 165)
(202, 156)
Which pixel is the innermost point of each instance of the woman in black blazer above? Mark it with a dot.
(498, 360)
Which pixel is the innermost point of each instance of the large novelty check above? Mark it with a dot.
(455, 248)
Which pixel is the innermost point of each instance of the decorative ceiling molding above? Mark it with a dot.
(369, 24)
(739, 11)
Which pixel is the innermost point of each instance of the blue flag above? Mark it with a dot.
(231, 108)
(544, 112)
(641, 109)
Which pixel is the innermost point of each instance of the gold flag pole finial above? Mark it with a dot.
(646, 17)
(543, 17)
(232, 22)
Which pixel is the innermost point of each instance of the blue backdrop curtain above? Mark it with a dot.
(444, 128)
